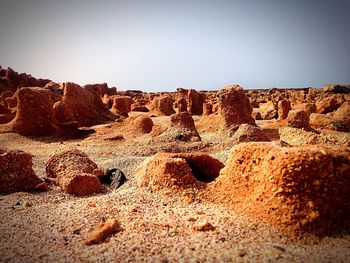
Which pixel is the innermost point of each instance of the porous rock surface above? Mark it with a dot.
(74, 172)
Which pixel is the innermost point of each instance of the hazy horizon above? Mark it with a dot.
(162, 45)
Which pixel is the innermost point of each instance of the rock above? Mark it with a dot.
(162, 106)
(182, 123)
(86, 107)
(207, 108)
(102, 231)
(336, 89)
(138, 107)
(321, 121)
(62, 112)
(309, 108)
(140, 124)
(75, 173)
(181, 105)
(249, 133)
(284, 107)
(177, 170)
(122, 105)
(268, 110)
(195, 102)
(328, 104)
(114, 177)
(296, 189)
(298, 119)
(34, 116)
(203, 226)
(16, 172)
(342, 117)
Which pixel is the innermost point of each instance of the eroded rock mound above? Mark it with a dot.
(284, 107)
(122, 105)
(178, 170)
(298, 119)
(34, 115)
(87, 108)
(249, 133)
(74, 172)
(16, 172)
(162, 106)
(297, 189)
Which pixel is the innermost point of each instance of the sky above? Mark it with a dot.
(160, 45)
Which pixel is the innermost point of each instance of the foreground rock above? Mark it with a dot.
(178, 170)
(102, 231)
(249, 133)
(298, 119)
(75, 173)
(299, 189)
(16, 172)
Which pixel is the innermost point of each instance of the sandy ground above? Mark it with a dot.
(157, 226)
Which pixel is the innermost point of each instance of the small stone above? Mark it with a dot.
(203, 226)
(42, 187)
(241, 252)
(102, 231)
(114, 177)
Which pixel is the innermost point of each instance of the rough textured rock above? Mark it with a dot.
(249, 133)
(74, 172)
(140, 124)
(342, 117)
(328, 104)
(207, 108)
(34, 116)
(122, 105)
(182, 128)
(139, 107)
(298, 189)
(62, 112)
(298, 119)
(162, 106)
(102, 231)
(268, 110)
(284, 107)
(86, 108)
(178, 170)
(309, 108)
(195, 102)
(181, 105)
(16, 172)
(336, 89)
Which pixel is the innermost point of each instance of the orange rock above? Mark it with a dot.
(102, 231)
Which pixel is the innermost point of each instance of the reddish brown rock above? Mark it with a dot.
(342, 117)
(62, 112)
(102, 231)
(16, 172)
(268, 110)
(34, 116)
(139, 107)
(181, 105)
(249, 133)
(86, 108)
(178, 170)
(297, 189)
(74, 172)
(122, 105)
(328, 104)
(140, 124)
(298, 119)
(207, 108)
(195, 102)
(284, 107)
(162, 106)
(309, 108)
(234, 106)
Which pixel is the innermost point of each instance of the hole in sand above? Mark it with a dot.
(202, 173)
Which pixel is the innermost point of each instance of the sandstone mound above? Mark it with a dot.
(16, 172)
(298, 119)
(34, 116)
(296, 189)
(139, 124)
(284, 107)
(195, 102)
(178, 170)
(74, 172)
(249, 133)
(122, 105)
(86, 108)
(162, 106)
(182, 128)
(233, 108)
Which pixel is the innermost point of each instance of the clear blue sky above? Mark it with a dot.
(162, 45)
